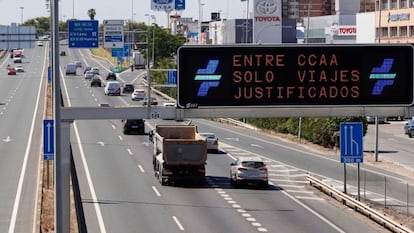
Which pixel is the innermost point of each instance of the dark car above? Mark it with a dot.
(88, 68)
(62, 53)
(111, 76)
(133, 126)
(96, 81)
(128, 88)
(409, 128)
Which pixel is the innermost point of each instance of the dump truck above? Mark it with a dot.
(180, 154)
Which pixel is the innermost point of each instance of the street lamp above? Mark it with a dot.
(246, 32)
(200, 19)
(153, 39)
(21, 19)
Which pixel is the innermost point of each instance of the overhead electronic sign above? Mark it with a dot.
(286, 75)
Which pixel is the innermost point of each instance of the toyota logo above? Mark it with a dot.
(266, 7)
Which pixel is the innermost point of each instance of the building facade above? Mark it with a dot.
(393, 21)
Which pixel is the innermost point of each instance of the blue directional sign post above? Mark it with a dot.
(351, 142)
(172, 77)
(48, 139)
(83, 33)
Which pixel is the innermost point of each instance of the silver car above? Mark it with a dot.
(89, 75)
(212, 141)
(249, 170)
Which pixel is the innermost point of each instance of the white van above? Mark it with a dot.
(113, 88)
(70, 69)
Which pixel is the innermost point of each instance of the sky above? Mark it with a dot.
(14, 10)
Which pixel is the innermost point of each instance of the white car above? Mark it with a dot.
(19, 68)
(138, 94)
(78, 64)
(89, 75)
(249, 170)
(212, 141)
(95, 70)
(17, 60)
(39, 43)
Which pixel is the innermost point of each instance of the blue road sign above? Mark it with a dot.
(351, 142)
(179, 5)
(172, 77)
(125, 52)
(83, 34)
(48, 139)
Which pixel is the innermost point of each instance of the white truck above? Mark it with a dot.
(139, 60)
(180, 154)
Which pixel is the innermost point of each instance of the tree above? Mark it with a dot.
(91, 13)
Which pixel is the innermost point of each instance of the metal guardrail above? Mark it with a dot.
(358, 206)
(237, 123)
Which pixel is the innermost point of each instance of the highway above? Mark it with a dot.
(118, 187)
(121, 194)
(21, 115)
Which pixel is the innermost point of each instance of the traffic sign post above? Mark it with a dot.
(298, 76)
(83, 33)
(113, 33)
(172, 77)
(351, 144)
(48, 139)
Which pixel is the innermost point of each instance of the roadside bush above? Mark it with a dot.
(320, 131)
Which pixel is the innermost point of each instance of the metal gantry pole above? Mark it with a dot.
(61, 161)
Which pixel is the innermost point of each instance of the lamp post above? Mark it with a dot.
(149, 19)
(153, 39)
(21, 16)
(200, 19)
(246, 32)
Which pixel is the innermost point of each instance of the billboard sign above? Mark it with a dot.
(291, 75)
(267, 21)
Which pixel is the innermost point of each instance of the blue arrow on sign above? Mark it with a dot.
(48, 139)
(351, 142)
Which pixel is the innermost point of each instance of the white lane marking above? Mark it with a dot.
(290, 181)
(86, 167)
(256, 145)
(113, 126)
(237, 207)
(8, 139)
(291, 186)
(310, 198)
(295, 199)
(314, 212)
(120, 137)
(16, 204)
(141, 168)
(178, 223)
(156, 191)
(298, 191)
(129, 151)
